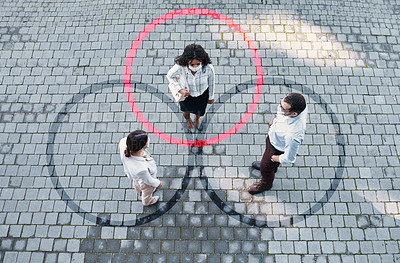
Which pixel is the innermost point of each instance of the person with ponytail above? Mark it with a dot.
(139, 166)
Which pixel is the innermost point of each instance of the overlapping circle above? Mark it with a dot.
(55, 178)
(194, 162)
(288, 220)
(212, 193)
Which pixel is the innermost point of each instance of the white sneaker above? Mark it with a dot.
(153, 202)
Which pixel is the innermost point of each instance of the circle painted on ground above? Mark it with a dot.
(288, 220)
(138, 41)
(91, 216)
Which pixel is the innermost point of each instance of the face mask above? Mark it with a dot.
(281, 112)
(195, 69)
(148, 143)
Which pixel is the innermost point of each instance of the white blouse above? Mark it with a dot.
(141, 169)
(198, 83)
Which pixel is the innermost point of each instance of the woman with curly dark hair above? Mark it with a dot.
(193, 68)
(139, 166)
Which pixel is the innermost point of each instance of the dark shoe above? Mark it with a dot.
(200, 128)
(257, 188)
(256, 165)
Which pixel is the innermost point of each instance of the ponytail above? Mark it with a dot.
(135, 142)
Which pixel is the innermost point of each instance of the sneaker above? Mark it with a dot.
(257, 188)
(153, 200)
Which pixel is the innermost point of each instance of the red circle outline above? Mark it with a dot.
(138, 41)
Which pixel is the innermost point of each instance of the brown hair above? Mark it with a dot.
(296, 101)
(136, 141)
(191, 52)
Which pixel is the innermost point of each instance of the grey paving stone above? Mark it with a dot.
(352, 65)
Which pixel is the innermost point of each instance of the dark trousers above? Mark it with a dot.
(267, 167)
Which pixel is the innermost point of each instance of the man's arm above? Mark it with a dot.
(290, 152)
(272, 121)
(274, 158)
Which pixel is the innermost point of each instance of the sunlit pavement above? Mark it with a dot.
(76, 77)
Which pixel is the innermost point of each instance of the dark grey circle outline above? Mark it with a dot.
(340, 141)
(211, 193)
(54, 128)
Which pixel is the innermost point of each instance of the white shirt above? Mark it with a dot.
(198, 83)
(141, 169)
(286, 134)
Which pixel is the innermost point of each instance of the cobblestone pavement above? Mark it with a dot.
(64, 196)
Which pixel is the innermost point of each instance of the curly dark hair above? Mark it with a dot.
(296, 101)
(193, 51)
(136, 141)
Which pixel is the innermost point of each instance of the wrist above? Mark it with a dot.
(276, 160)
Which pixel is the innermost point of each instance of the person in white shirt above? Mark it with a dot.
(285, 135)
(194, 67)
(139, 166)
